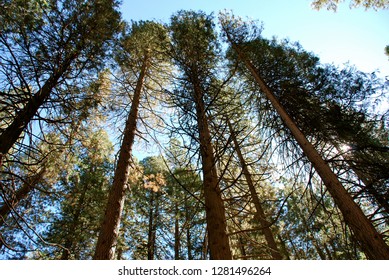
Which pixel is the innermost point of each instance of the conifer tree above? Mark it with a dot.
(142, 51)
(370, 240)
(194, 50)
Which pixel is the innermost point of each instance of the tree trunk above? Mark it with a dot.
(20, 194)
(188, 224)
(242, 248)
(260, 215)
(12, 133)
(215, 212)
(370, 241)
(151, 229)
(177, 239)
(284, 247)
(71, 235)
(105, 248)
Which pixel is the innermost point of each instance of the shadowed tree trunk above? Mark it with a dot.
(21, 193)
(12, 133)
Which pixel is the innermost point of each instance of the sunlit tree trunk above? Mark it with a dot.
(369, 239)
(215, 211)
(105, 248)
(260, 213)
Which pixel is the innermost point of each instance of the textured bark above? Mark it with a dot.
(370, 241)
(260, 213)
(215, 212)
(106, 243)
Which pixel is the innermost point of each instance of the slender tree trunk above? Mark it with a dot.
(284, 247)
(369, 188)
(328, 252)
(105, 248)
(70, 239)
(242, 248)
(177, 239)
(215, 212)
(19, 195)
(188, 230)
(12, 133)
(151, 231)
(368, 238)
(260, 213)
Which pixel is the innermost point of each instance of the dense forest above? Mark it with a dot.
(261, 150)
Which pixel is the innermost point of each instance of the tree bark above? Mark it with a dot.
(370, 241)
(177, 234)
(12, 133)
(153, 204)
(260, 213)
(20, 194)
(215, 211)
(106, 243)
(188, 224)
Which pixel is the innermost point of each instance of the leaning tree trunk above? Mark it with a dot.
(214, 207)
(370, 241)
(20, 194)
(12, 133)
(106, 243)
(260, 213)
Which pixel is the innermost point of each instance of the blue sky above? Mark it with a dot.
(356, 36)
(349, 35)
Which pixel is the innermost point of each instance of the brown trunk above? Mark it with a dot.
(242, 248)
(284, 247)
(151, 230)
(369, 239)
(20, 194)
(177, 239)
(260, 213)
(12, 133)
(188, 224)
(215, 212)
(70, 239)
(328, 252)
(105, 248)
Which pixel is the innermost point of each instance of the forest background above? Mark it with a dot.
(193, 135)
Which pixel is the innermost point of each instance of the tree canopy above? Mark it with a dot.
(263, 152)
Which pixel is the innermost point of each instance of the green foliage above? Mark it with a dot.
(367, 4)
(83, 188)
(69, 163)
